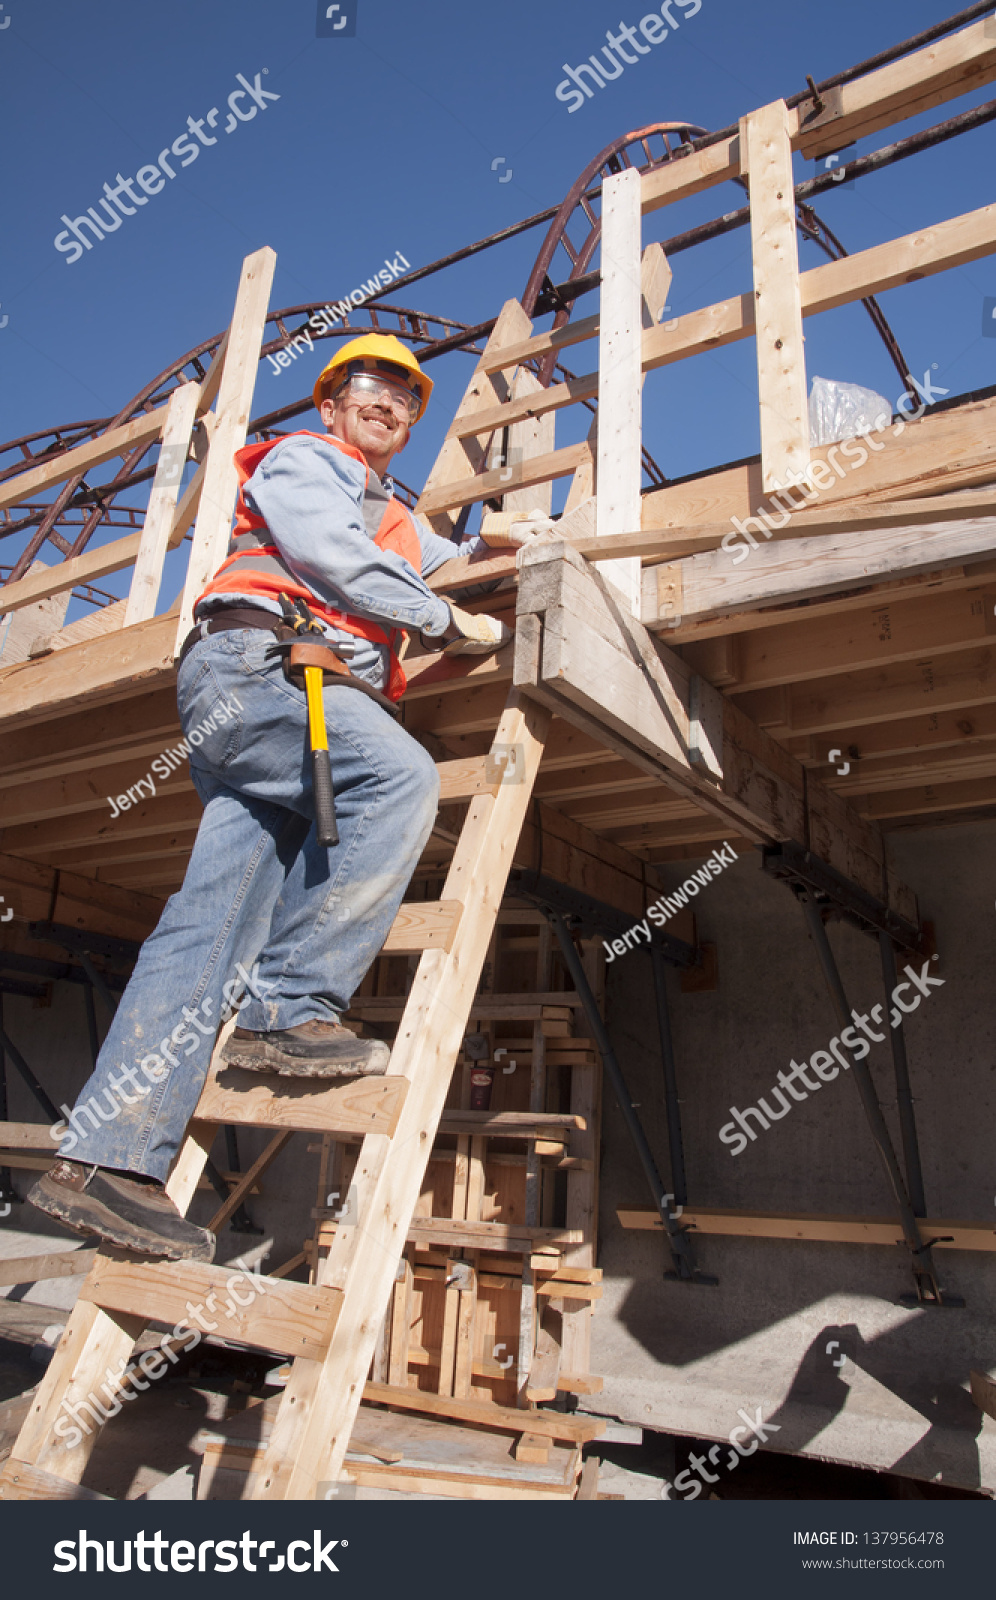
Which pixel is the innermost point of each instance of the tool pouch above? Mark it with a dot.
(299, 653)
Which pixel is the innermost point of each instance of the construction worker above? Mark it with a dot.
(268, 922)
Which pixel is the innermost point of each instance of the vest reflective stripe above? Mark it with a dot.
(255, 567)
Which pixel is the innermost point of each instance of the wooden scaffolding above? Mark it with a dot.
(659, 697)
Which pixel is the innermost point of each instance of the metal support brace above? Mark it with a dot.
(28, 1076)
(904, 1092)
(91, 1023)
(672, 1109)
(928, 1289)
(240, 1220)
(8, 1193)
(677, 1236)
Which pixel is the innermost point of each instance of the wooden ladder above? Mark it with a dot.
(329, 1328)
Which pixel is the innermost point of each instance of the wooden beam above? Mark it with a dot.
(958, 731)
(267, 1100)
(88, 673)
(463, 455)
(940, 72)
(482, 1413)
(945, 1234)
(710, 585)
(580, 653)
(93, 564)
(781, 362)
(502, 481)
(907, 259)
(926, 799)
(228, 433)
(293, 1319)
(690, 174)
(877, 775)
(513, 352)
(39, 893)
(948, 683)
(909, 630)
(143, 595)
(142, 429)
(619, 439)
(38, 1269)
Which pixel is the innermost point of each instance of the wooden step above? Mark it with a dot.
(467, 777)
(511, 1124)
(454, 1233)
(483, 1414)
(267, 1100)
(290, 1319)
(486, 1008)
(19, 1480)
(423, 925)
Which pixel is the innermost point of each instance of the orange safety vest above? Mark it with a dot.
(253, 567)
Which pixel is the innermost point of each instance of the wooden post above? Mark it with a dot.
(214, 516)
(781, 362)
(655, 280)
(619, 376)
(147, 576)
(465, 458)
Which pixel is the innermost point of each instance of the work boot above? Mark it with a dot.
(124, 1208)
(311, 1050)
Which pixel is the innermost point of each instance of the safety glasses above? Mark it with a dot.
(368, 389)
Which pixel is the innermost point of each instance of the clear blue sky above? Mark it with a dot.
(384, 142)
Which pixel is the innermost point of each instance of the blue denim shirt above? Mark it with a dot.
(310, 496)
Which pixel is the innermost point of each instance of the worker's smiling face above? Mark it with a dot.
(375, 424)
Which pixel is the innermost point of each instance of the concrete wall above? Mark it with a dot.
(688, 1358)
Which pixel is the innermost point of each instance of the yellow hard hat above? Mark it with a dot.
(374, 352)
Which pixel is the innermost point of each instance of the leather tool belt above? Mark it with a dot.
(297, 653)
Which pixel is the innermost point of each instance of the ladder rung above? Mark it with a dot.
(511, 1124)
(489, 1008)
(423, 925)
(454, 1233)
(266, 1100)
(466, 778)
(19, 1480)
(291, 1319)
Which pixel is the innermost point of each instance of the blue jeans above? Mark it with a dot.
(267, 922)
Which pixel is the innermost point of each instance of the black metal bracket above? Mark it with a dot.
(590, 917)
(569, 913)
(799, 868)
(929, 1292)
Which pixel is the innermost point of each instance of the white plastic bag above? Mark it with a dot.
(842, 410)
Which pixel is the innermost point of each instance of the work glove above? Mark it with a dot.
(502, 530)
(474, 633)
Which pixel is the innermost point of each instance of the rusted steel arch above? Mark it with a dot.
(816, 229)
(418, 327)
(616, 157)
